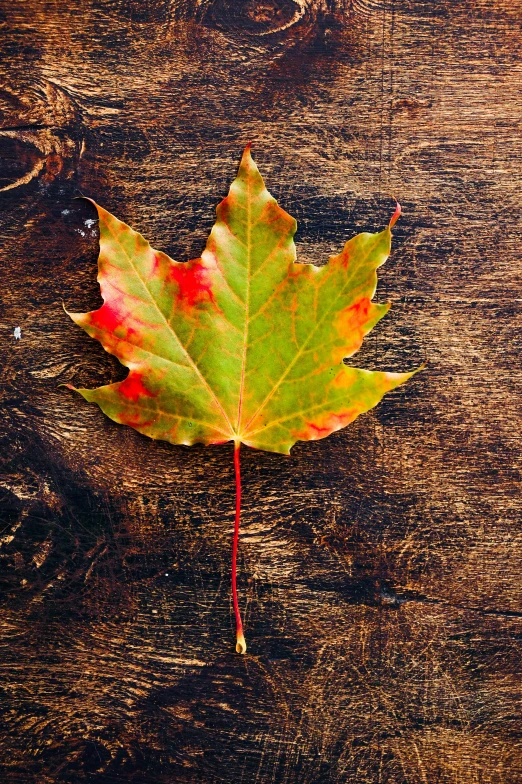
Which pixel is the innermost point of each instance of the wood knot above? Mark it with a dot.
(256, 17)
(40, 134)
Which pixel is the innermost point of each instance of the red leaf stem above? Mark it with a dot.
(240, 639)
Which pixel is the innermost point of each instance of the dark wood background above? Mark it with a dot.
(380, 568)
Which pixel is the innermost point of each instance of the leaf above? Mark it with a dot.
(242, 344)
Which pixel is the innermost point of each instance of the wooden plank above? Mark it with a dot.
(380, 568)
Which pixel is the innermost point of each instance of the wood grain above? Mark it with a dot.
(380, 568)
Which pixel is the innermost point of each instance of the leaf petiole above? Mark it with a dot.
(240, 638)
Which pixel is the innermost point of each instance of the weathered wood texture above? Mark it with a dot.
(380, 568)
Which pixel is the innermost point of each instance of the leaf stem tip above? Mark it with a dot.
(240, 642)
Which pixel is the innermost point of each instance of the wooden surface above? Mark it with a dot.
(380, 568)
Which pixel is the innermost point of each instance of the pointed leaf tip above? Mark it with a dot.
(396, 215)
(247, 155)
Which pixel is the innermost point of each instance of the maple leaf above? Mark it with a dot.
(242, 344)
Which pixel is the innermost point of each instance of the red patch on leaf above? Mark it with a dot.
(133, 388)
(357, 313)
(326, 424)
(134, 420)
(194, 284)
(351, 323)
(225, 208)
(106, 318)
